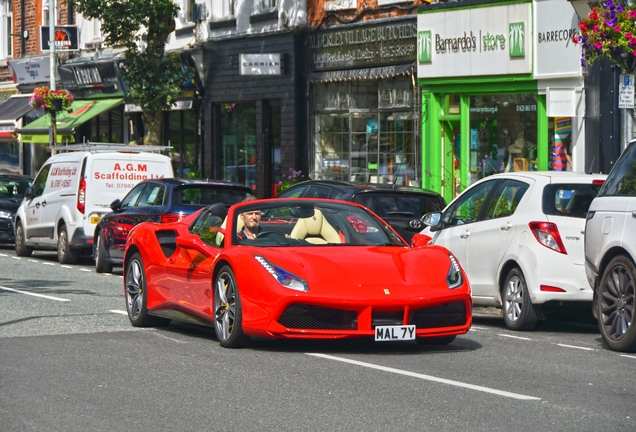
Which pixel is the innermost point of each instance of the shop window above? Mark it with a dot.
(182, 137)
(6, 7)
(10, 157)
(503, 134)
(364, 94)
(396, 93)
(398, 154)
(560, 144)
(331, 142)
(238, 143)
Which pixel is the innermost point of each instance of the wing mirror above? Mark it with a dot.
(115, 205)
(433, 220)
(420, 240)
(28, 193)
(192, 241)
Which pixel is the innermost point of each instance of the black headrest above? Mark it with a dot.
(217, 209)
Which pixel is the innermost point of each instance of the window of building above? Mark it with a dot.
(187, 7)
(45, 12)
(6, 6)
(268, 4)
(238, 143)
(184, 140)
(223, 9)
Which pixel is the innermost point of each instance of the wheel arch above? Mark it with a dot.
(610, 255)
(132, 249)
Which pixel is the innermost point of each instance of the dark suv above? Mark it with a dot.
(12, 188)
(397, 205)
(157, 200)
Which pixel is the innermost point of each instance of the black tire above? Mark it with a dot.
(439, 340)
(65, 255)
(227, 310)
(616, 304)
(518, 311)
(136, 292)
(20, 242)
(101, 265)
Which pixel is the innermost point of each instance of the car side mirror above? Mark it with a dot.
(420, 240)
(192, 241)
(115, 205)
(28, 193)
(433, 220)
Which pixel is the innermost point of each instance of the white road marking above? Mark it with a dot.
(477, 327)
(3, 255)
(577, 347)
(169, 338)
(85, 270)
(34, 261)
(65, 266)
(428, 377)
(48, 263)
(514, 337)
(628, 356)
(16, 257)
(34, 294)
(121, 312)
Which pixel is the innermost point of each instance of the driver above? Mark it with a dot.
(251, 225)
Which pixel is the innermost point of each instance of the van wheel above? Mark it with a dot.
(20, 247)
(65, 255)
(101, 266)
(518, 311)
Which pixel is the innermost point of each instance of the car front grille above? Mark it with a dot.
(446, 315)
(381, 318)
(301, 316)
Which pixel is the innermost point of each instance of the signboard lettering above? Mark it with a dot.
(626, 92)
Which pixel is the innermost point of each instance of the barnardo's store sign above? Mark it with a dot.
(361, 46)
(482, 41)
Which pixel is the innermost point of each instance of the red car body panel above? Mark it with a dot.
(360, 279)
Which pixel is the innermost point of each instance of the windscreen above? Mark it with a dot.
(290, 223)
(571, 200)
(397, 205)
(13, 188)
(203, 195)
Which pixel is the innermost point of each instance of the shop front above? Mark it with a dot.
(364, 116)
(254, 110)
(482, 111)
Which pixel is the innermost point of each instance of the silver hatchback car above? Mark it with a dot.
(610, 253)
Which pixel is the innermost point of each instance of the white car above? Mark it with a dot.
(519, 237)
(610, 253)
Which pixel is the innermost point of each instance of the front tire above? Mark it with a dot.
(136, 291)
(101, 265)
(20, 242)
(518, 311)
(616, 305)
(65, 255)
(227, 310)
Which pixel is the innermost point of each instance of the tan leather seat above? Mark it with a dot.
(315, 230)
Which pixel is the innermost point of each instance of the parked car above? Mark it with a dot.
(12, 188)
(310, 273)
(72, 191)
(397, 205)
(157, 200)
(519, 236)
(610, 253)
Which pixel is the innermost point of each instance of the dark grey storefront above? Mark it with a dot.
(254, 110)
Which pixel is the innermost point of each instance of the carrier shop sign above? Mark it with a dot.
(472, 42)
(260, 64)
(368, 46)
(556, 56)
(66, 38)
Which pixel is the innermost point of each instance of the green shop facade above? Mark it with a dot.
(484, 109)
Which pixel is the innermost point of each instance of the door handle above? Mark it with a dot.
(464, 235)
(37, 205)
(43, 203)
(506, 227)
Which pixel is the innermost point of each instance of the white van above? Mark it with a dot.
(73, 190)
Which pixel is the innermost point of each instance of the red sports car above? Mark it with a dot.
(294, 268)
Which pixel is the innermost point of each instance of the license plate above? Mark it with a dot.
(95, 219)
(394, 333)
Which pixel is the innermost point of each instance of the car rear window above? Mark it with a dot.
(569, 199)
(203, 195)
(622, 178)
(398, 205)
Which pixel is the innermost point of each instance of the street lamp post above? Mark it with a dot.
(52, 16)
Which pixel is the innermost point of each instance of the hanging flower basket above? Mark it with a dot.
(609, 32)
(51, 100)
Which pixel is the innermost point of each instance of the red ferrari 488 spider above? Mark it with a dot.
(294, 268)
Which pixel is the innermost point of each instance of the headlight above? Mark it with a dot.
(4, 214)
(285, 278)
(454, 277)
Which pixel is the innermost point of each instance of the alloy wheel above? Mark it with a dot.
(61, 244)
(513, 298)
(617, 303)
(134, 289)
(225, 305)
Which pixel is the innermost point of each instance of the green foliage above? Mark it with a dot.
(153, 78)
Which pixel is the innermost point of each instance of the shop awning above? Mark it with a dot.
(10, 111)
(83, 111)
(365, 73)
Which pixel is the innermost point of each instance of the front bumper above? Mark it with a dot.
(7, 234)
